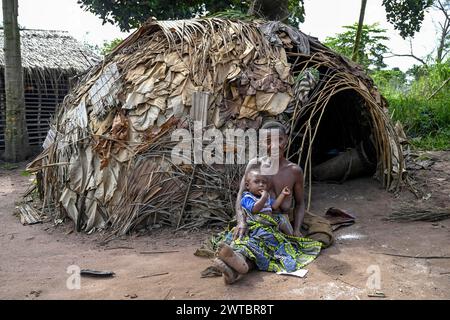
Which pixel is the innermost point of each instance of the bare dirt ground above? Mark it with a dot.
(34, 259)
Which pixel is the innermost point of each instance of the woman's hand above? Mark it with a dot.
(286, 191)
(240, 230)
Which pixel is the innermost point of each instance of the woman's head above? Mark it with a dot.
(282, 134)
(255, 182)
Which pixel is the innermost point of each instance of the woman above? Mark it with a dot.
(258, 243)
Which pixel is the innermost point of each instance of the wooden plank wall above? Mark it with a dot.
(41, 99)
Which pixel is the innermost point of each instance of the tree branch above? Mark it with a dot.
(410, 54)
(406, 55)
(439, 89)
(251, 8)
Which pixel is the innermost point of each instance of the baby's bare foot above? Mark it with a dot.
(229, 275)
(231, 258)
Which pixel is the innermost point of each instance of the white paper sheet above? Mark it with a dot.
(298, 273)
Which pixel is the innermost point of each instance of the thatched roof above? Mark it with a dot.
(107, 163)
(52, 50)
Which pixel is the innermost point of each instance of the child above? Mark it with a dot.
(256, 200)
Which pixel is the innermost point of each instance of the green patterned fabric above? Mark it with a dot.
(269, 248)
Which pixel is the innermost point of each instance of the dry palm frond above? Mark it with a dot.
(431, 215)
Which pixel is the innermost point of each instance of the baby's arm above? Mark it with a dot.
(259, 205)
(284, 193)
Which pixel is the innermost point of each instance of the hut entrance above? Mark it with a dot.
(343, 146)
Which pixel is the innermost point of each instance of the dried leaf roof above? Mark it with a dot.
(52, 50)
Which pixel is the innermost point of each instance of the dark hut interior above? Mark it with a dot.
(343, 145)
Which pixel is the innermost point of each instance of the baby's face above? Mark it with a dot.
(256, 183)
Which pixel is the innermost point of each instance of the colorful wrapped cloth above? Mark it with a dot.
(269, 248)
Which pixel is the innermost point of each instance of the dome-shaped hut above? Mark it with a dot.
(107, 161)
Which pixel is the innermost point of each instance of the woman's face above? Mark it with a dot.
(272, 144)
(256, 183)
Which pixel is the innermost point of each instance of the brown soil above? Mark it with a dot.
(34, 259)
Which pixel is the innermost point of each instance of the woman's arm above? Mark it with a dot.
(299, 210)
(239, 213)
(241, 227)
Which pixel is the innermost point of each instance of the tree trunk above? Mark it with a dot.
(16, 136)
(445, 29)
(359, 31)
(441, 46)
(276, 10)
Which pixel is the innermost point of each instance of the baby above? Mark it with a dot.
(257, 200)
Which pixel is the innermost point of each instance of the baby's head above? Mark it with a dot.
(255, 182)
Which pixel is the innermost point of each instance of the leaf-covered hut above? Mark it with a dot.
(109, 164)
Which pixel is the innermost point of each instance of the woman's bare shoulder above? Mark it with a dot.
(295, 168)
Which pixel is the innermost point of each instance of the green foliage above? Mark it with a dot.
(419, 115)
(371, 48)
(129, 14)
(426, 120)
(406, 15)
(390, 82)
(109, 46)
(231, 14)
(434, 141)
(432, 78)
(417, 71)
(25, 173)
(297, 12)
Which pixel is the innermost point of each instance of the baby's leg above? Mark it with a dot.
(285, 226)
